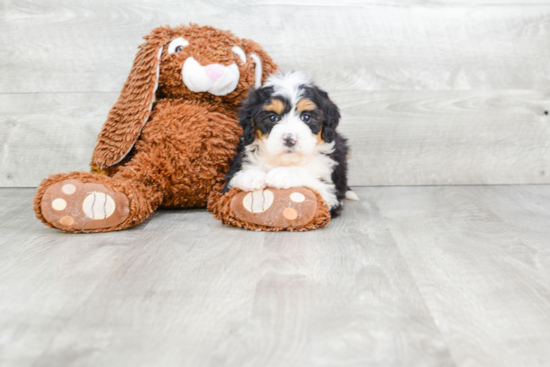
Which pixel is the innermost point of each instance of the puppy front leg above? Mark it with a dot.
(287, 177)
(326, 190)
(249, 180)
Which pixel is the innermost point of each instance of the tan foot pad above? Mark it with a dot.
(285, 208)
(71, 204)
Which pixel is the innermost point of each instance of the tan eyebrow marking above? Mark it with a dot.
(306, 104)
(276, 106)
(260, 136)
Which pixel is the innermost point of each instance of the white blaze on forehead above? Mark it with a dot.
(291, 125)
(288, 85)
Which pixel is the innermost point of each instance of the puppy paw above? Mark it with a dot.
(283, 178)
(251, 180)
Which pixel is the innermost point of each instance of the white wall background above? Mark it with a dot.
(432, 92)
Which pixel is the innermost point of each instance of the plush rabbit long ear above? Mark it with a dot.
(264, 65)
(257, 70)
(130, 113)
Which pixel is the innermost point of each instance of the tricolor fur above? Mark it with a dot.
(290, 140)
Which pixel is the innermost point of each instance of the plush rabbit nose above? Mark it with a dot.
(214, 71)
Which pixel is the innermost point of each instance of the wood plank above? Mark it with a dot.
(82, 46)
(170, 292)
(45, 276)
(481, 258)
(447, 137)
(16, 207)
(329, 283)
(48, 133)
(183, 290)
(397, 138)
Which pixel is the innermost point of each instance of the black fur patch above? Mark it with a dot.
(330, 112)
(340, 173)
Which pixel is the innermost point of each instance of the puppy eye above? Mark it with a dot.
(239, 52)
(177, 45)
(273, 118)
(305, 117)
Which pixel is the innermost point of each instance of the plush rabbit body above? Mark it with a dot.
(169, 138)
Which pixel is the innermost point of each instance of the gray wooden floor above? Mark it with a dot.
(408, 276)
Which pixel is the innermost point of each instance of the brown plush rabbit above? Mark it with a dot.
(169, 141)
(170, 137)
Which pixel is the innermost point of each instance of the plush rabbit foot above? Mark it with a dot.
(85, 202)
(74, 205)
(294, 209)
(289, 208)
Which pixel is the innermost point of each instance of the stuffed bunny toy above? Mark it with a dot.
(170, 137)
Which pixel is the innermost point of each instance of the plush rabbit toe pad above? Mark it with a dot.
(285, 208)
(74, 205)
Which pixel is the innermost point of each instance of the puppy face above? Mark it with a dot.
(289, 128)
(289, 115)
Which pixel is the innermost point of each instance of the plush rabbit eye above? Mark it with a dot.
(239, 52)
(177, 45)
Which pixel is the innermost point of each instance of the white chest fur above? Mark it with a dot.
(319, 164)
(260, 170)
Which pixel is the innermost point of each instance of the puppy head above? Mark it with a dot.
(289, 115)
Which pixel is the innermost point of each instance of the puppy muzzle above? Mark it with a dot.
(289, 140)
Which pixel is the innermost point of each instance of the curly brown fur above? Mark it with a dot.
(169, 147)
(207, 45)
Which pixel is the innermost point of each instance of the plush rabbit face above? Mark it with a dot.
(210, 64)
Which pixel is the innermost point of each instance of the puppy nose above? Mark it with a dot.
(214, 71)
(289, 140)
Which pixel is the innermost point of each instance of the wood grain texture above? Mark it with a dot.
(447, 137)
(481, 258)
(397, 137)
(182, 290)
(44, 134)
(85, 46)
(408, 276)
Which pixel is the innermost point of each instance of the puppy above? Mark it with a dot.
(290, 140)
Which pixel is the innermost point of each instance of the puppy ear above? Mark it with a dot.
(130, 113)
(331, 117)
(246, 116)
(264, 65)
